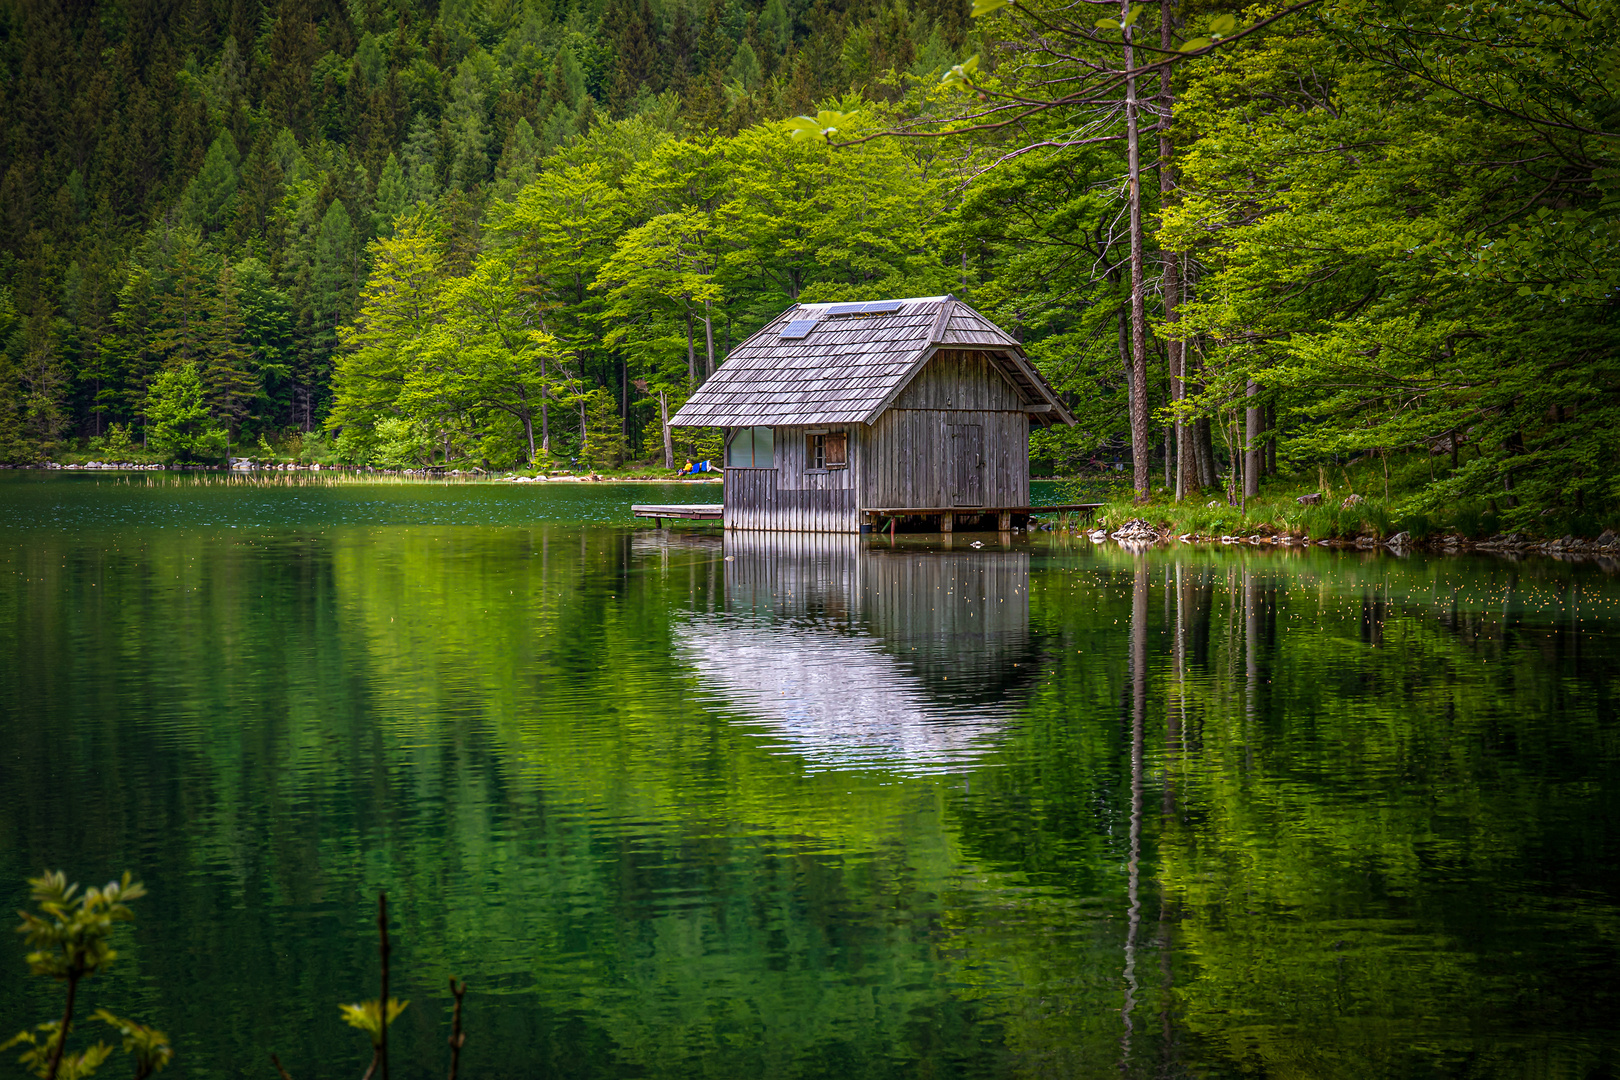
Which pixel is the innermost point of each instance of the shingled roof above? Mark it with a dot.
(846, 363)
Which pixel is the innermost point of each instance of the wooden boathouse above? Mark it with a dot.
(844, 415)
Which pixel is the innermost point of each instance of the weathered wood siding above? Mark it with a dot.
(749, 499)
(914, 464)
(793, 497)
(915, 450)
(954, 379)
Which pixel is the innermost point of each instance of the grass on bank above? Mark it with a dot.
(1386, 507)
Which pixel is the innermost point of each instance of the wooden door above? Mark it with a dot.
(967, 464)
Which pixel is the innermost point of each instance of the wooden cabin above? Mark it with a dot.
(839, 416)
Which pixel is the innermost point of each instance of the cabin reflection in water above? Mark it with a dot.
(855, 655)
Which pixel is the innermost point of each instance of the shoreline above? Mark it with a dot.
(1139, 532)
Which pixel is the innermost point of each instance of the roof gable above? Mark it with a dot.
(828, 364)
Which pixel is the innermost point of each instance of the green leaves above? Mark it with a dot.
(963, 72)
(1220, 28)
(1121, 24)
(70, 935)
(982, 8)
(41, 1048)
(70, 932)
(367, 1016)
(149, 1046)
(817, 128)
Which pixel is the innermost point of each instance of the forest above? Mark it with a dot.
(490, 233)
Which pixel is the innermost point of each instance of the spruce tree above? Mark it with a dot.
(520, 162)
(183, 308)
(206, 205)
(419, 158)
(393, 197)
(332, 288)
(228, 379)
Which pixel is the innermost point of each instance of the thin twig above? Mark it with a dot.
(458, 1038)
(281, 1071)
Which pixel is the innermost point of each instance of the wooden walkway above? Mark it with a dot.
(679, 512)
(1006, 516)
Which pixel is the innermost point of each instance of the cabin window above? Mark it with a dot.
(827, 451)
(752, 448)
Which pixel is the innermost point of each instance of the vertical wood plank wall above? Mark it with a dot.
(796, 498)
(904, 459)
(912, 440)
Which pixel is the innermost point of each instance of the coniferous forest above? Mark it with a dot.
(408, 233)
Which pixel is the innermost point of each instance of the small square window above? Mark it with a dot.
(828, 451)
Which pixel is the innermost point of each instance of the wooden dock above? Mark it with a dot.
(1006, 516)
(679, 512)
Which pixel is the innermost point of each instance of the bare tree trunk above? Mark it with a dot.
(669, 437)
(528, 427)
(1271, 439)
(1175, 351)
(545, 412)
(1204, 449)
(691, 352)
(1251, 443)
(1140, 448)
(708, 337)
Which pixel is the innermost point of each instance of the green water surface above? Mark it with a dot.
(678, 805)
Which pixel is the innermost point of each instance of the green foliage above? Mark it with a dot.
(70, 931)
(367, 1016)
(40, 1056)
(70, 937)
(149, 1047)
(179, 424)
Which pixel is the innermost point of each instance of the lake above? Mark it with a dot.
(683, 805)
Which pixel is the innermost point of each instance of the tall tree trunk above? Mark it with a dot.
(1251, 443)
(1271, 439)
(669, 437)
(545, 412)
(528, 423)
(1170, 263)
(708, 338)
(624, 400)
(1140, 447)
(691, 352)
(1204, 451)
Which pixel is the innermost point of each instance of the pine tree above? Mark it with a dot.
(679, 53)
(419, 158)
(206, 205)
(332, 287)
(467, 124)
(714, 48)
(44, 380)
(393, 197)
(520, 162)
(566, 84)
(293, 46)
(183, 309)
(228, 381)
